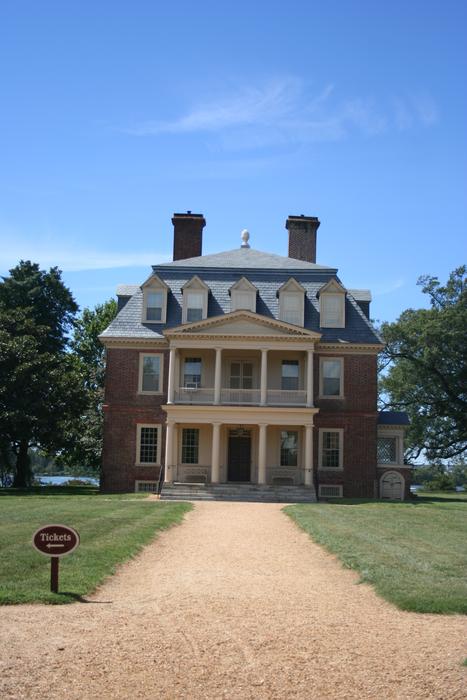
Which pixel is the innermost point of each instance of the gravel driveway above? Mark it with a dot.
(236, 602)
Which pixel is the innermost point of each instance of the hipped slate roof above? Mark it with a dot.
(393, 418)
(268, 272)
(246, 259)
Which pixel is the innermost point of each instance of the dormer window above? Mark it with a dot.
(332, 305)
(154, 300)
(243, 295)
(154, 306)
(292, 302)
(195, 300)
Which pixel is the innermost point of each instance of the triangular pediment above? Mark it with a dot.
(154, 282)
(241, 323)
(291, 286)
(332, 287)
(243, 285)
(195, 283)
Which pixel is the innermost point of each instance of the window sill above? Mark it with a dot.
(150, 393)
(331, 469)
(338, 398)
(147, 464)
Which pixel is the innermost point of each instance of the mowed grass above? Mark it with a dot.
(414, 554)
(112, 529)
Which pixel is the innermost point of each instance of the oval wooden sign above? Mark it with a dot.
(55, 540)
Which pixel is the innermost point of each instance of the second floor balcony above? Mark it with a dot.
(255, 378)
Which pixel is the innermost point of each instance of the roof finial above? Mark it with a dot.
(245, 239)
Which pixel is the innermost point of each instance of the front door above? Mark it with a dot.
(239, 464)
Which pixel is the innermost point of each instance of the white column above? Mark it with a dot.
(264, 377)
(169, 441)
(262, 453)
(309, 378)
(171, 382)
(215, 452)
(218, 376)
(308, 455)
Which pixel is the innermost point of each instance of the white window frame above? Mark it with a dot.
(241, 289)
(139, 426)
(145, 481)
(288, 429)
(293, 289)
(331, 323)
(322, 395)
(154, 284)
(196, 286)
(399, 436)
(189, 427)
(340, 431)
(142, 355)
(334, 486)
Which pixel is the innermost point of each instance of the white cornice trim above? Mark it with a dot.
(350, 348)
(293, 331)
(134, 343)
(242, 415)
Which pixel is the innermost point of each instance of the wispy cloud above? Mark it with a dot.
(285, 111)
(416, 109)
(73, 257)
(388, 287)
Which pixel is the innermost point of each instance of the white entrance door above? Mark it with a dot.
(391, 486)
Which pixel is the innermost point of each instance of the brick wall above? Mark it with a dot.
(124, 408)
(360, 384)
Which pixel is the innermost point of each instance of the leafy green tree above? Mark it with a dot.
(426, 369)
(40, 390)
(86, 433)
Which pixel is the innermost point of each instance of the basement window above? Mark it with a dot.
(330, 491)
(146, 486)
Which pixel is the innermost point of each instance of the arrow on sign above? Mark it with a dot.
(54, 545)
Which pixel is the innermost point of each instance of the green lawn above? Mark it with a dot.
(112, 528)
(414, 553)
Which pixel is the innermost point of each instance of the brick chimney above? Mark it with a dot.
(302, 237)
(188, 235)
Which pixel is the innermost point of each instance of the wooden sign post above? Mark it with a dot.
(55, 541)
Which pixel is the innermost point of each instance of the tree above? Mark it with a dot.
(40, 391)
(85, 434)
(425, 362)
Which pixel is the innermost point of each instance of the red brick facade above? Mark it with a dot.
(356, 414)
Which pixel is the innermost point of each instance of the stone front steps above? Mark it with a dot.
(238, 492)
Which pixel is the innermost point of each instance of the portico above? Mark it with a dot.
(268, 459)
(240, 401)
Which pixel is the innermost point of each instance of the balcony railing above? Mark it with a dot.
(240, 397)
(279, 397)
(194, 395)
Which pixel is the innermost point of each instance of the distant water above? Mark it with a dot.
(47, 480)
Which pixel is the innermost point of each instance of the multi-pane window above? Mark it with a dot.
(386, 448)
(241, 375)
(331, 449)
(148, 444)
(331, 377)
(290, 373)
(150, 373)
(190, 445)
(243, 300)
(194, 306)
(292, 308)
(192, 372)
(154, 306)
(289, 448)
(332, 310)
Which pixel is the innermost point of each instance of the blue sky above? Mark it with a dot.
(116, 114)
